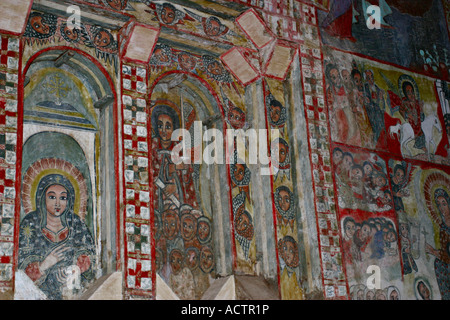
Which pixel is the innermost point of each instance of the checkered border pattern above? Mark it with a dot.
(334, 279)
(138, 267)
(9, 75)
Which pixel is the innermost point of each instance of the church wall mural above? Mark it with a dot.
(359, 176)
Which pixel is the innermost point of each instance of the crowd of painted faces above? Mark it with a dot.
(361, 186)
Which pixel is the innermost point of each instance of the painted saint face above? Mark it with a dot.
(239, 172)
(393, 295)
(370, 295)
(242, 223)
(347, 162)
(275, 113)
(290, 254)
(71, 33)
(186, 61)
(206, 259)
(284, 200)
(212, 27)
(379, 181)
(191, 258)
(369, 77)
(350, 229)
(161, 55)
(39, 26)
(203, 230)
(404, 231)
(443, 206)
(236, 117)
(365, 232)
(346, 77)
(409, 91)
(357, 81)
(380, 295)
(188, 227)
(170, 224)
(102, 39)
(424, 291)
(360, 295)
(168, 15)
(335, 77)
(116, 4)
(398, 176)
(337, 157)
(176, 261)
(282, 152)
(56, 200)
(389, 236)
(165, 127)
(367, 169)
(357, 174)
(215, 68)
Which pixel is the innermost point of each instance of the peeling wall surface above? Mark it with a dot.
(161, 149)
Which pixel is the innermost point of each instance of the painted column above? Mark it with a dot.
(9, 166)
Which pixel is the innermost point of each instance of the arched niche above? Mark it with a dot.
(69, 129)
(203, 195)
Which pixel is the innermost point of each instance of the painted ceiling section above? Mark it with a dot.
(344, 103)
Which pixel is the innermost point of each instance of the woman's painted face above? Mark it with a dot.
(102, 39)
(176, 261)
(56, 200)
(284, 200)
(39, 26)
(203, 230)
(443, 206)
(165, 127)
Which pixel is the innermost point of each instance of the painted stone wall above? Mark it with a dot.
(355, 104)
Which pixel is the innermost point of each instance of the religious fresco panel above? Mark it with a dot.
(383, 108)
(411, 34)
(368, 222)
